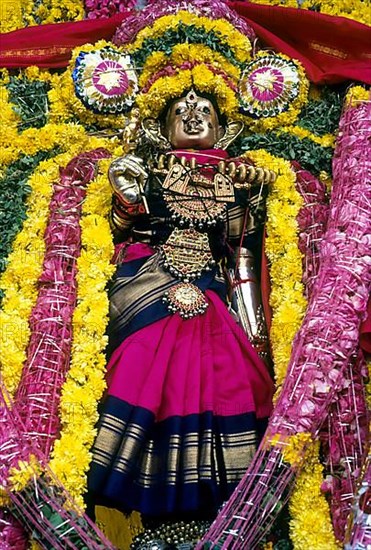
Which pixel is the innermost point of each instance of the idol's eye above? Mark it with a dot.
(206, 110)
(180, 110)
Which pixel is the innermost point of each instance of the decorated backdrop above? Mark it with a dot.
(55, 260)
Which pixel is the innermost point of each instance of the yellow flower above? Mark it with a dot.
(327, 140)
(29, 247)
(292, 447)
(357, 94)
(21, 475)
(4, 77)
(8, 118)
(354, 9)
(310, 524)
(239, 44)
(287, 294)
(4, 499)
(201, 77)
(187, 52)
(11, 16)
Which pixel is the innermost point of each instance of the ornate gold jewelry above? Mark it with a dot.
(190, 202)
(187, 253)
(223, 188)
(186, 299)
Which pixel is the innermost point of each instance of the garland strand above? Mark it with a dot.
(284, 206)
(33, 140)
(49, 348)
(85, 382)
(327, 140)
(310, 523)
(323, 346)
(309, 509)
(29, 248)
(190, 24)
(287, 295)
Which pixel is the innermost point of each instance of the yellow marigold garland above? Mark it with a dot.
(36, 73)
(310, 524)
(287, 296)
(55, 11)
(357, 94)
(11, 15)
(85, 382)
(168, 87)
(34, 140)
(187, 52)
(19, 281)
(359, 10)
(239, 44)
(9, 121)
(17, 14)
(327, 140)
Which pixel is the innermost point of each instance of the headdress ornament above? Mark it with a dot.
(170, 47)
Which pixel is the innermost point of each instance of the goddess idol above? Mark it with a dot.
(189, 390)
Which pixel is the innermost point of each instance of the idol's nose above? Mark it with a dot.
(192, 116)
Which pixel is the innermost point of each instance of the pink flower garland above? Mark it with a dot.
(323, 346)
(48, 355)
(312, 221)
(344, 442)
(344, 437)
(43, 505)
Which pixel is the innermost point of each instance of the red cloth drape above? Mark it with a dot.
(332, 49)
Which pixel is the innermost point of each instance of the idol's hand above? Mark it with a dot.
(128, 176)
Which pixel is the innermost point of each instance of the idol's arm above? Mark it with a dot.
(127, 177)
(246, 300)
(245, 293)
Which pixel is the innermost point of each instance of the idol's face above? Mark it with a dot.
(192, 123)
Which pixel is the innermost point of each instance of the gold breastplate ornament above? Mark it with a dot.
(195, 199)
